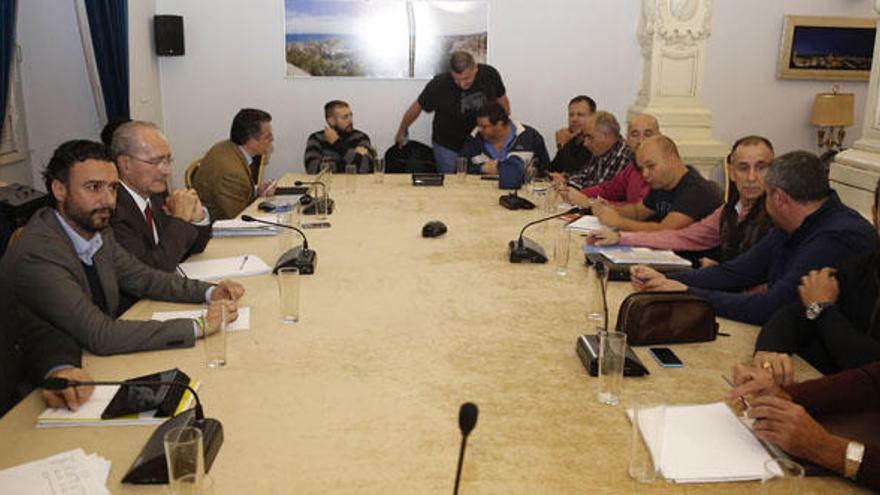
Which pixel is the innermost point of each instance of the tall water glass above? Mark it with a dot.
(461, 168)
(562, 249)
(379, 170)
(646, 440)
(782, 476)
(288, 294)
(351, 178)
(596, 287)
(612, 352)
(215, 344)
(184, 455)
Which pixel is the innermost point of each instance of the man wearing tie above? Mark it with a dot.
(229, 177)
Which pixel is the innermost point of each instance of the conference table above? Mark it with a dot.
(396, 332)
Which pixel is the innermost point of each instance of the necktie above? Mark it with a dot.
(148, 214)
(255, 170)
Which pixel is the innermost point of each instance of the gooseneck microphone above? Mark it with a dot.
(321, 202)
(526, 250)
(300, 257)
(467, 420)
(150, 466)
(602, 274)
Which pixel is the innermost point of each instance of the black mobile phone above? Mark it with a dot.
(665, 357)
(316, 225)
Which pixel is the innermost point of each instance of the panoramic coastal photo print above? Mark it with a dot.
(381, 38)
(827, 48)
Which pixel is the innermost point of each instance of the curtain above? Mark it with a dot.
(7, 43)
(108, 27)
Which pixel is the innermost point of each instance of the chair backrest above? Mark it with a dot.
(414, 157)
(191, 172)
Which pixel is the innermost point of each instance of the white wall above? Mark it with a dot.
(145, 96)
(58, 99)
(741, 88)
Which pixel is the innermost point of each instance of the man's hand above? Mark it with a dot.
(646, 279)
(70, 397)
(362, 150)
(400, 138)
(490, 167)
(819, 286)
(330, 135)
(267, 188)
(215, 312)
(751, 381)
(179, 204)
(707, 262)
(559, 180)
(608, 215)
(782, 422)
(198, 211)
(603, 237)
(563, 136)
(572, 196)
(778, 364)
(227, 290)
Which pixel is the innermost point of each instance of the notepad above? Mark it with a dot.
(68, 472)
(236, 266)
(243, 322)
(708, 444)
(89, 413)
(643, 256)
(586, 224)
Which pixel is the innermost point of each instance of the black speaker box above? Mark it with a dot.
(168, 30)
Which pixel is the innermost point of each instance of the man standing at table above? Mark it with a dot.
(500, 146)
(158, 228)
(454, 97)
(66, 270)
(339, 142)
(230, 175)
(571, 154)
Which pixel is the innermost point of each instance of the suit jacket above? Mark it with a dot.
(26, 355)
(43, 282)
(223, 181)
(177, 239)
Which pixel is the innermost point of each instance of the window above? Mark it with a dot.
(13, 142)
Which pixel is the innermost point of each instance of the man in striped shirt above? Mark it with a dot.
(339, 144)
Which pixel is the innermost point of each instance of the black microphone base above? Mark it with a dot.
(150, 466)
(304, 260)
(529, 252)
(312, 208)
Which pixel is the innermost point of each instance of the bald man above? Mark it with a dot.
(679, 195)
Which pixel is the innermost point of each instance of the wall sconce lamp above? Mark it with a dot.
(832, 112)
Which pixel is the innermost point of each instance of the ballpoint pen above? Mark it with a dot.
(747, 421)
(243, 262)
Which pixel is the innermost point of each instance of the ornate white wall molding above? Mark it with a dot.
(672, 35)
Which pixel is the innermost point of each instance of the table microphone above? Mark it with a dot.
(526, 250)
(312, 208)
(300, 257)
(467, 420)
(150, 466)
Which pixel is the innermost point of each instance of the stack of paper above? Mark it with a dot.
(89, 413)
(68, 472)
(643, 256)
(236, 227)
(243, 322)
(236, 266)
(586, 224)
(705, 444)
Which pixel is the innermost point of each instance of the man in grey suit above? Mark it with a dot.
(66, 270)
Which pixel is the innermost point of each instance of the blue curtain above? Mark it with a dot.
(7, 42)
(108, 25)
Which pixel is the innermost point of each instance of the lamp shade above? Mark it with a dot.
(833, 110)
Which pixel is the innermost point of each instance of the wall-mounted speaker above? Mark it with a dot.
(168, 31)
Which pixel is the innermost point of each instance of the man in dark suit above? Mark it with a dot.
(30, 355)
(66, 270)
(158, 228)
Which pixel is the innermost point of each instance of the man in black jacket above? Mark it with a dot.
(30, 355)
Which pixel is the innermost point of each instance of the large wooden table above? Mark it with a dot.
(362, 395)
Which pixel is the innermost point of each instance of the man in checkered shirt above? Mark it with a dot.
(610, 152)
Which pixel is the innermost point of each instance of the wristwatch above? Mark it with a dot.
(814, 309)
(854, 453)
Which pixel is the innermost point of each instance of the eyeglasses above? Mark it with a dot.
(159, 160)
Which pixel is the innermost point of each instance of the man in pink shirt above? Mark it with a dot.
(748, 163)
(628, 185)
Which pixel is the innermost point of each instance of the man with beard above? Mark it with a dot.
(572, 155)
(66, 270)
(339, 142)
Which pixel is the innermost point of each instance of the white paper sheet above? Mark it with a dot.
(68, 472)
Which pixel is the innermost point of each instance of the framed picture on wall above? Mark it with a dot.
(386, 39)
(829, 48)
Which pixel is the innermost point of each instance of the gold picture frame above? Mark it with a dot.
(811, 44)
